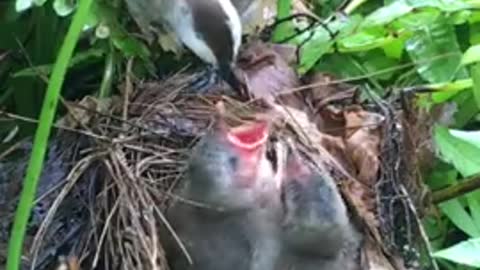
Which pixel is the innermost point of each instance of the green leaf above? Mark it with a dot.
(467, 108)
(387, 14)
(93, 16)
(285, 29)
(461, 17)
(346, 26)
(474, 34)
(474, 17)
(22, 5)
(443, 5)
(436, 52)
(435, 229)
(472, 137)
(365, 40)
(400, 8)
(395, 48)
(442, 176)
(445, 91)
(465, 253)
(79, 58)
(342, 65)
(131, 46)
(475, 72)
(39, 3)
(472, 55)
(474, 206)
(457, 214)
(64, 7)
(462, 154)
(375, 60)
(418, 20)
(314, 49)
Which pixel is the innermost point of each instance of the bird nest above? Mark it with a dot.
(113, 163)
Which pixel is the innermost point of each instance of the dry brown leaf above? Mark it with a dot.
(266, 72)
(324, 89)
(323, 97)
(362, 141)
(80, 113)
(321, 147)
(363, 201)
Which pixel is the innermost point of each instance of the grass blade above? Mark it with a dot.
(42, 134)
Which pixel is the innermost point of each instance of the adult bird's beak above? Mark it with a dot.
(228, 75)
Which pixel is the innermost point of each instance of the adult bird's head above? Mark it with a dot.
(214, 35)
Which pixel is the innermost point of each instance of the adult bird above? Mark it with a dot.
(211, 29)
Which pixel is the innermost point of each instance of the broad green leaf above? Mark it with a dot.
(346, 26)
(443, 5)
(466, 253)
(471, 55)
(462, 154)
(445, 91)
(474, 35)
(365, 40)
(39, 3)
(457, 214)
(475, 73)
(467, 108)
(474, 206)
(436, 52)
(442, 176)
(472, 137)
(64, 7)
(79, 58)
(460, 17)
(474, 17)
(314, 49)
(400, 8)
(93, 17)
(395, 48)
(342, 65)
(22, 5)
(417, 20)
(375, 60)
(130, 46)
(387, 14)
(435, 228)
(286, 29)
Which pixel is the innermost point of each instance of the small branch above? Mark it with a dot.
(463, 187)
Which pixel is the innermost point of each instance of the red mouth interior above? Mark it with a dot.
(249, 136)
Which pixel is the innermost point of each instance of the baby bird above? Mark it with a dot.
(316, 230)
(227, 173)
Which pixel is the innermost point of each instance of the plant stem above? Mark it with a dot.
(106, 86)
(463, 187)
(47, 115)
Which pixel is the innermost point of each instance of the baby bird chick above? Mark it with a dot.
(226, 174)
(316, 230)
